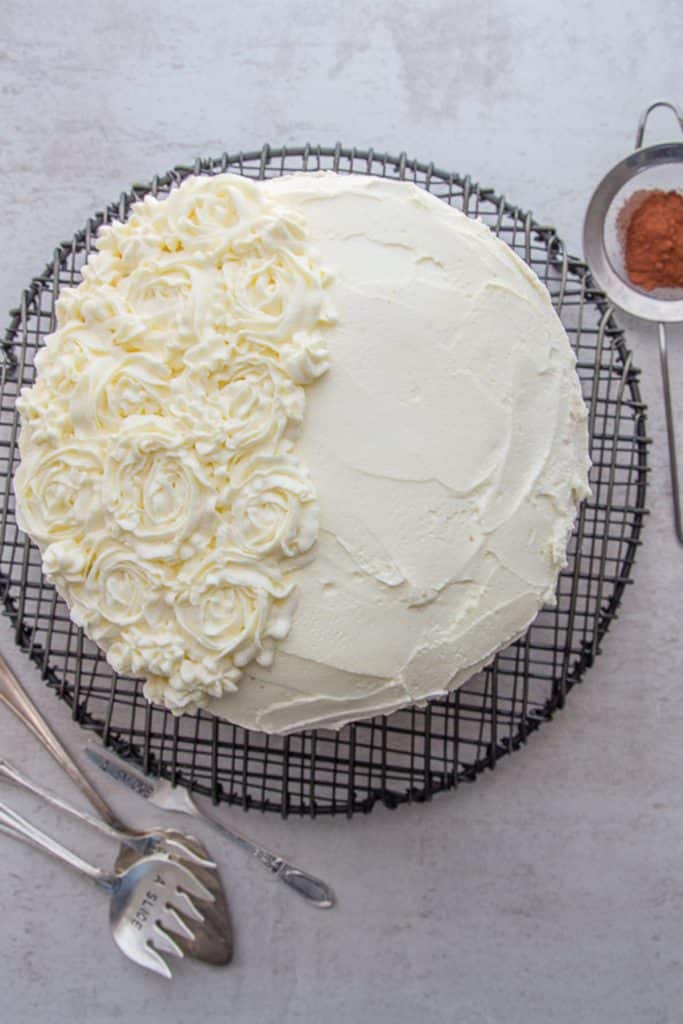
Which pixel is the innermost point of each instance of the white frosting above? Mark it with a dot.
(158, 474)
(170, 469)
(448, 446)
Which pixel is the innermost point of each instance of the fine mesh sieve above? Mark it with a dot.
(613, 203)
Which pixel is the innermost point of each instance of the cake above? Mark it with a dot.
(302, 451)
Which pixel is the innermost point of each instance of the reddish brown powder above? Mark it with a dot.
(654, 242)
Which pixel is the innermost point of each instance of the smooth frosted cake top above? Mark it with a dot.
(302, 451)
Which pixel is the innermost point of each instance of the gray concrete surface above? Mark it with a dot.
(549, 892)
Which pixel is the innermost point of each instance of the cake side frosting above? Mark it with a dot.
(449, 448)
(158, 472)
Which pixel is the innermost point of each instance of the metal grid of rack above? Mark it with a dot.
(413, 753)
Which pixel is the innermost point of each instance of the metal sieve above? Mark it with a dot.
(615, 199)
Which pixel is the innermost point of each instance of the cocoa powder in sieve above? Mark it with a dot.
(653, 247)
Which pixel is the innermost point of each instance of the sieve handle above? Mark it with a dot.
(670, 430)
(678, 114)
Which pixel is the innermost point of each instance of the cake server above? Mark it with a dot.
(14, 697)
(150, 903)
(214, 944)
(162, 794)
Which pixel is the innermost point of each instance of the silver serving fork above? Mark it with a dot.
(143, 843)
(214, 943)
(148, 902)
(164, 795)
(167, 840)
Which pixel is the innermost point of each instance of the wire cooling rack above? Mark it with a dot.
(413, 753)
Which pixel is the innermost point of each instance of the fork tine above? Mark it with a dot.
(191, 884)
(190, 910)
(163, 943)
(178, 924)
(147, 956)
(185, 853)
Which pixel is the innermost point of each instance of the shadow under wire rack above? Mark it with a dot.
(416, 752)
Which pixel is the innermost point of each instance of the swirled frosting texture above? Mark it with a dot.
(449, 448)
(159, 475)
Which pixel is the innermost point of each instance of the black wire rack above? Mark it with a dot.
(413, 753)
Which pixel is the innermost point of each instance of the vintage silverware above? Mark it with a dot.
(14, 697)
(216, 949)
(212, 944)
(162, 794)
(150, 903)
(142, 843)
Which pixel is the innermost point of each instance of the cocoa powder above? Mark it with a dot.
(654, 242)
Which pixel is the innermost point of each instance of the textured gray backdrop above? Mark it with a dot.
(549, 891)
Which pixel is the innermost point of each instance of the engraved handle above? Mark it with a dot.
(12, 824)
(308, 886)
(15, 698)
(311, 888)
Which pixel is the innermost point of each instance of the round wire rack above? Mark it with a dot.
(413, 753)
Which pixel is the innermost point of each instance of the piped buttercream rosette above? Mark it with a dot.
(158, 476)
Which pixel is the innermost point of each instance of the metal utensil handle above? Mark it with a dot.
(14, 825)
(646, 113)
(663, 352)
(9, 771)
(311, 888)
(671, 431)
(12, 694)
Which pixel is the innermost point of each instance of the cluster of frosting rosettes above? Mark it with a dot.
(158, 473)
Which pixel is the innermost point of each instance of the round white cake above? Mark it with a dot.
(302, 451)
